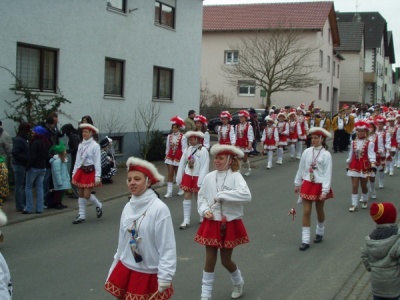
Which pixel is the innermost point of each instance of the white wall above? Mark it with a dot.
(85, 32)
(351, 77)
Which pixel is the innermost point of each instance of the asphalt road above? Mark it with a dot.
(49, 258)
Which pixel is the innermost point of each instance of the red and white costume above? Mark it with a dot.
(361, 155)
(244, 136)
(226, 133)
(176, 143)
(270, 137)
(205, 141)
(283, 131)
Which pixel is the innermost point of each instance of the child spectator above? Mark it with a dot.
(60, 174)
(381, 255)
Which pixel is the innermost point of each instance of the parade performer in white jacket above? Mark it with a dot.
(193, 167)
(87, 171)
(313, 181)
(145, 262)
(221, 199)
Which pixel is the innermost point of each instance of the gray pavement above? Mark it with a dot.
(355, 287)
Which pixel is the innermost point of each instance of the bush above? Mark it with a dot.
(156, 146)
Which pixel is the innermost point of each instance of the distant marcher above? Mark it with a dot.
(189, 121)
(201, 125)
(60, 175)
(226, 132)
(19, 163)
(175, 147)
(87, 172)
(107, 162)
(244, 138)
(270, 138)
(5, 144)
(145, 262)
(381, 254)
(36, 171)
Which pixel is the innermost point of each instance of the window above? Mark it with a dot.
(114, 77)
(231, 57)
(321, 58)
(37, 67)
(333, 68)
(164, 14)
(118, 5)
(247, 88)
(338, 71)
(329, 35)
(320, 91)
(328, 63)
(385, 87)
(327, 94)
(162, 83)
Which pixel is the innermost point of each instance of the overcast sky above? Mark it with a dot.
(389, 9)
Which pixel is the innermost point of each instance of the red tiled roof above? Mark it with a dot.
(300, 15)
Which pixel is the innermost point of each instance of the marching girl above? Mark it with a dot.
(378, 148)
(270, 138)
(283, 131)
(201, 125)
(360, 163)
(193, 167)
(391, 130)
(176, 145)
(304, 129)
(244, 137)
(380, 131)
(226, 132)
(145, 262)
(313, 181)
(87, 171)
(221, 199)
(294, 132)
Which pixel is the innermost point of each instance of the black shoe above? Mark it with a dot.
(38, 212)
(58, 206)
(335, 151)
(304, 247)
(64, 206)
(78, 220)
(25, 212)
(99, 212)
(318, 238)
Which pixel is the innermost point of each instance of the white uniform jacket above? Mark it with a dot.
(6, 287)
(201, 164)
(154, 226)
(323, 170)
(233, 195)
(89, 153)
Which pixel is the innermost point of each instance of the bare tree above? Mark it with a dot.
(277, 60)
(146, 116)
(110, 122)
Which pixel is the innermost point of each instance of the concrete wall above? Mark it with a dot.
(352, 77)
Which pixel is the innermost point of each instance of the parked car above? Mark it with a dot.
(213, 124)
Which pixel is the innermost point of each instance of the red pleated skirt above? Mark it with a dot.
(311, 191)
(189, 183)
(127, 284)
(84, 180)
(209, 234)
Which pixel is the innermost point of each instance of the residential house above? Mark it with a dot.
(352, 67)
(108, 57)
(226, 25)
(377, 49)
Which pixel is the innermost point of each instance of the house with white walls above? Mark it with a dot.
(315, 22)
(377, 72)
(108, 57)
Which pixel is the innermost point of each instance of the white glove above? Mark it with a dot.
(163, 285)
(97, 180)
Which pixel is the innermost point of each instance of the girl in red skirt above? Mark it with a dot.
(270, 138)
(175, 146)
(360, 164)
(313, 181)
(244, 137)
(221, 199)
(193, 167)
(283, 131)
(145, 262)
(294, 132)
(226, 132)
(87, 171)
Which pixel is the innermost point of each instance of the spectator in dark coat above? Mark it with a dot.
(256, 129)
(19, 163)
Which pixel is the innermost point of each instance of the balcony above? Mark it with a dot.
(370, 77)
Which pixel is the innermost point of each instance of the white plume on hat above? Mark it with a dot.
(135, 161)
(197, 134)
(88, 126)
(316, 130)
(226, 149)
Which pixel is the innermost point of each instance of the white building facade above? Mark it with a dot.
(108, 58)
